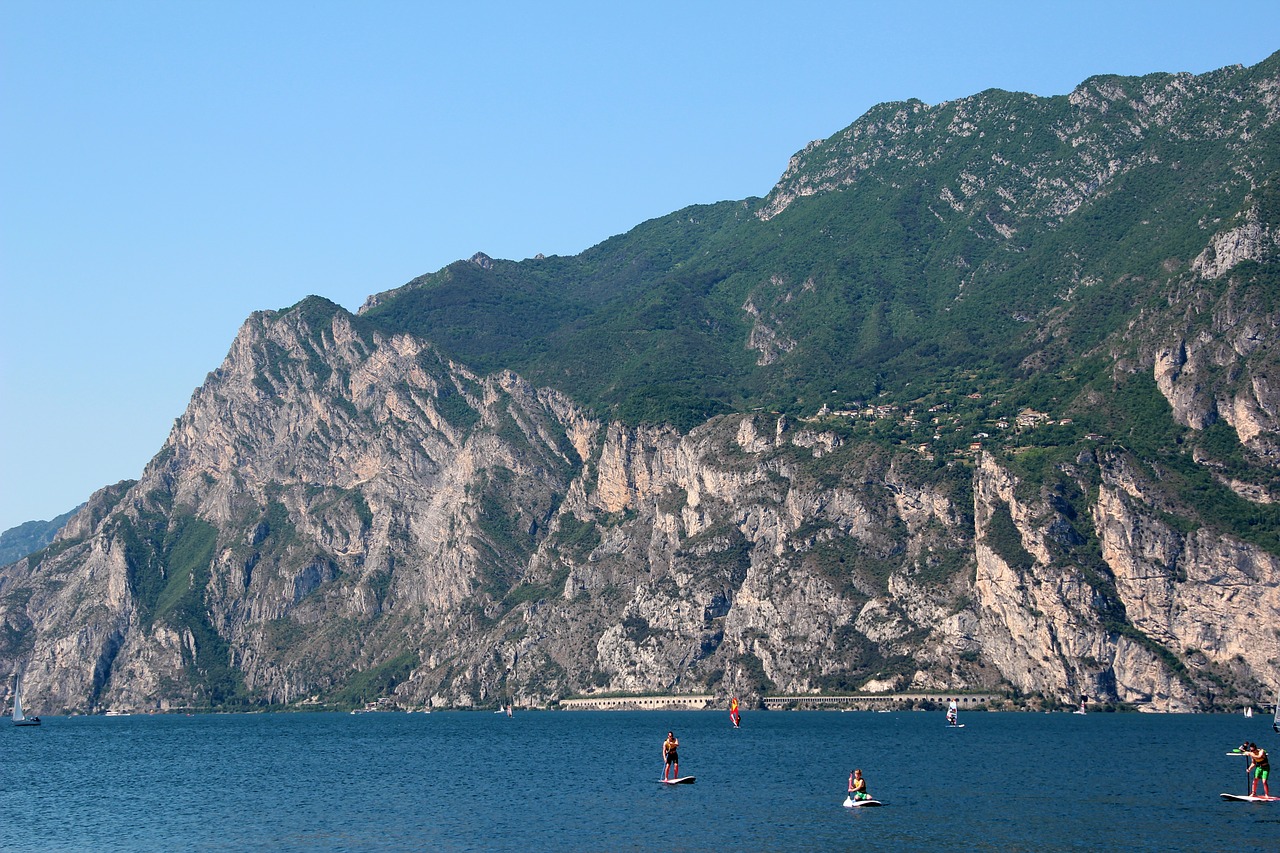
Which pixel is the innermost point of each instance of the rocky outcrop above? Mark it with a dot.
(1249, 240)
(1213, 354)
(335, 503)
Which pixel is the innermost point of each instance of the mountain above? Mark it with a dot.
(1002, 233)
(18, 542)
(979, 396)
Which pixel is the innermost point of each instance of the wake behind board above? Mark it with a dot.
(851, 803)
(1246, 798)
(683, 780)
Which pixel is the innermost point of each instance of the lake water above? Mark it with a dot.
(587, 781)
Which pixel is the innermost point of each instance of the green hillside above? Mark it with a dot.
(878, 286)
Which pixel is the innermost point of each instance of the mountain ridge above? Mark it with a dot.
(721, 302)
(1005, 428)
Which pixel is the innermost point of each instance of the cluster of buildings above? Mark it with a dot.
(938, 418)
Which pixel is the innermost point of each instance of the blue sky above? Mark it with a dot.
(168, 168)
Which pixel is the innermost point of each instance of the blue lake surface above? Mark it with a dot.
(579, 780)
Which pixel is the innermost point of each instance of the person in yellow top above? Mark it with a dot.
(858, 786)
(670, 756)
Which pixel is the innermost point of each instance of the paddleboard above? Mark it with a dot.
(1245, 798)
(683, 780)
(851, 803)
(956, 726)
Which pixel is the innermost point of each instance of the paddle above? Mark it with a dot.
(1248, 780)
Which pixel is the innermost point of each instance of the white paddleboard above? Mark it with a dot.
(851, 803)
(1245, 798)
(956, 726)
(683, 780)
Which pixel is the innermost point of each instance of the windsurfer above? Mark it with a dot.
(952, 713)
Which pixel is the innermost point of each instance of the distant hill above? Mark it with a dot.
(30, 536)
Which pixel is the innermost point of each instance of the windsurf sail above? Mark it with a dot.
(734, 716)
(1275, 722)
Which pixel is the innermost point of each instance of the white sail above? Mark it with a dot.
(1275, 723)
(20, 719)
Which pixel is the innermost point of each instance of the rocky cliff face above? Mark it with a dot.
(343, 512)
(1217, 346)
(336, 510)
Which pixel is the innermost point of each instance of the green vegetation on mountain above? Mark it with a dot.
(986, 252)
(168, 561)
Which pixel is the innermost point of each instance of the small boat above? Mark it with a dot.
(19, 719)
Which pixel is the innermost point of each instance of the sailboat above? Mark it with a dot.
(1275, 723)
(18, 718)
